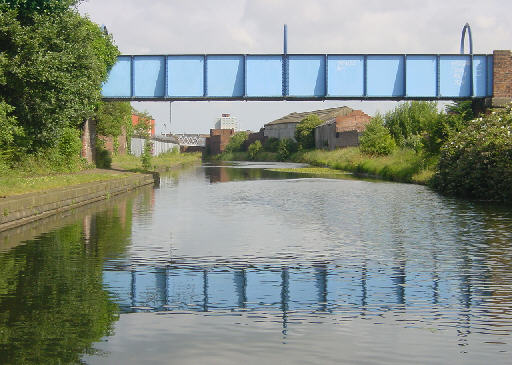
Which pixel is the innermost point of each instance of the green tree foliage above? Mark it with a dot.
(271, 144)
(286, 147)
(143, 130)
(112, 117)
(376, 139)
(305, 131)
(254, 148)
(409, 120)
(236, 143)
(477, 161)
(27, 8)
(54, 71)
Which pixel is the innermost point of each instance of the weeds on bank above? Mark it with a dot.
(164, 161)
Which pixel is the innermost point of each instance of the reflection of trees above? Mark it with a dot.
(52, 302)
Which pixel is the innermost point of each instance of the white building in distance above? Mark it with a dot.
(226, 121)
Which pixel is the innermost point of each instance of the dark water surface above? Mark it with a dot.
(229, 265)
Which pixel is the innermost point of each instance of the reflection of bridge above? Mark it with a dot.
(319, 288)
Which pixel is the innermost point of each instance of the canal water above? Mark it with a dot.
(238, 264)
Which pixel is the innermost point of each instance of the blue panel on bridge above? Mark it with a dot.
(185, 76)
(307, 75)
(455, 74)
(149, 76)
(490, 70)
(264, 76)
(480, 76)
(311, 77)
(119, 79)
(345, 75)
(421, 76)
(225, 76)
(385, 76)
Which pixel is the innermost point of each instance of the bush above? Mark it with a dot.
(103, 158)
(236, 142)
(69, 144)
(254, 149)
(305, 131)
(286, 148)
(410, 119)
(376, 139)
(477, 161)
(271, 144)
(146, 155)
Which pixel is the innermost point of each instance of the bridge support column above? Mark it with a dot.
(502, 79)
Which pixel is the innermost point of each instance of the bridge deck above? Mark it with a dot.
(300, 77)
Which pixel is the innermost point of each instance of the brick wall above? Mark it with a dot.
(218, 140)
(502, 78)
(89, 140)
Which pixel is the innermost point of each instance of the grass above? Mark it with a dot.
(163, 162)
(319, 171)
(13, 184)
(261, 156)
(403, 165)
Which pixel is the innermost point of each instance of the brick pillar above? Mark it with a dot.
(89, 140)
(502, 78)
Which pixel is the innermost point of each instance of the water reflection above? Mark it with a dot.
(53, 305)
(258, 251)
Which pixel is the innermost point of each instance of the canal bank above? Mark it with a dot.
(21, 209)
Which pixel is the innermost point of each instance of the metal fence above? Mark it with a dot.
(159, 145)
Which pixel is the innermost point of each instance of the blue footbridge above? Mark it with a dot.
(314, 77)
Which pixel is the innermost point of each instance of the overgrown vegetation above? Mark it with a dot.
(237, 141)
(477, 162)
(305, 131)
(376, 139)
(254, 149)
(162, 162)
(52, 64)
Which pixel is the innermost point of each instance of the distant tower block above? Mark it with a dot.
(226, 121)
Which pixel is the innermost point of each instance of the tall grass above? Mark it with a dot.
(164, 161)
(403, 165)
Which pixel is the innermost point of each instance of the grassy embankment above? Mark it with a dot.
(403, 165)
(163, 162)
(35, 175)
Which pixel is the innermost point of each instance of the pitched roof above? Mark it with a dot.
(323, 114)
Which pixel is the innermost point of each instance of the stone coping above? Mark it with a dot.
(21, 209)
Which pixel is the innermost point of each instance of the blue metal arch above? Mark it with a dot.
(463, 37)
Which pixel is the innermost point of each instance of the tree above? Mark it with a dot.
(27, 8)
(236, 142)
(254, 149)
(376, 139)
(112, 117)
(477, 161)
(409, 120)
(54, 71)
(305, 131)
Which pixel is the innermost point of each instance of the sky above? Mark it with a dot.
(314, 26)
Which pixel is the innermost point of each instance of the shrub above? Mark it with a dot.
(69, 144)
(409, 119)
(236, 142)
(271, 144)
(254, 149)
(305, 131)
(477, 161)
(103, 158)
(376, 139)
(286, 148)
(145, 157)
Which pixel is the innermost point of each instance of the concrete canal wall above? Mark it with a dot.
(21, 209)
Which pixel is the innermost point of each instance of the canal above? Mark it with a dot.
(238, 264)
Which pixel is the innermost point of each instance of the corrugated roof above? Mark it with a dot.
(323, 114)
